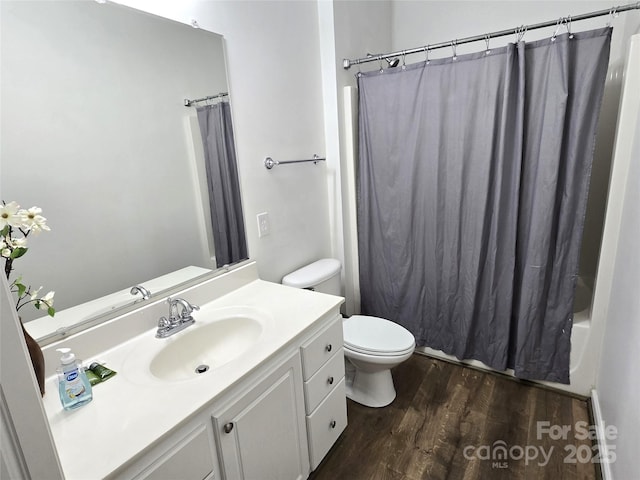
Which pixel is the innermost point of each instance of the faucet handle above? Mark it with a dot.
(163, 322)
(164, 328)
(187, 310)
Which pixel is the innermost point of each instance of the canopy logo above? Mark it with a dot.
(500, 453)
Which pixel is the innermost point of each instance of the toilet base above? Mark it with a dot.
(372, 389)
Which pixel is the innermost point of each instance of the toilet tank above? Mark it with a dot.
(321, 276)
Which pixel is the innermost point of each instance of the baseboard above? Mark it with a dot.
(605, 467)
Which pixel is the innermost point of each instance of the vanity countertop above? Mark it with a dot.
(128, 413)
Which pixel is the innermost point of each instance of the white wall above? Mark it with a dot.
(276, 89)
(617, 381)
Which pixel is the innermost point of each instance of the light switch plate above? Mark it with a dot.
(263, 224)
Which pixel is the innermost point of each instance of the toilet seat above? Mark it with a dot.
(376, 336)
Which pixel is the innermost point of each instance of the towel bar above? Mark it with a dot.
(270, 162)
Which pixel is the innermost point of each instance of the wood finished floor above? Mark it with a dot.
(440, 409)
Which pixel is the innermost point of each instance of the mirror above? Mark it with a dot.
(97, 134)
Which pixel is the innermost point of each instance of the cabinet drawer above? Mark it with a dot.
(323, 381)
(321, 348)
(326, 423)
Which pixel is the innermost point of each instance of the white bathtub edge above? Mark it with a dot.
(603, 449)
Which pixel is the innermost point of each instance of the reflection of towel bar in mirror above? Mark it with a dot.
(188, 103)
(270, 162)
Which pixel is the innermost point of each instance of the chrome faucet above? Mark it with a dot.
(177, 321)
(146, 294)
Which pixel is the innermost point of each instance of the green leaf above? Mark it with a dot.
(21, 289)
(37, 304)
(51, 311)
(5, 231)
(18, 252)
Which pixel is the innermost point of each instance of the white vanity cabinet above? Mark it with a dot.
(276, 423)
(272, 412)
(325, 397)
(262, 435)
(255, 431)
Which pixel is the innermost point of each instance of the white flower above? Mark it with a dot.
(32, 220)
(17, 242)
(48, 298)
(34, 294)
(9, 215)
(5, 243)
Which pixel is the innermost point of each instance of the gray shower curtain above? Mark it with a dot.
(472, 185)
(223, 183)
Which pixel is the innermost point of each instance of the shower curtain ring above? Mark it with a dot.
(404, 64)
(454, 44)
(558, 24)
(521, 33)
(567, 24)
(487, 39)
(613, 13)
(426, 51)
(380, 63)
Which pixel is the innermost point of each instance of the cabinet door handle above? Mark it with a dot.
(329, 347)
(330, 380)
(332, 424)
(228, 427)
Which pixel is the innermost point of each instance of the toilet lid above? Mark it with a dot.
(376, 335)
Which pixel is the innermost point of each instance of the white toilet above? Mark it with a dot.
(372, 345)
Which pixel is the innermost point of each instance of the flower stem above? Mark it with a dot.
(7, 267)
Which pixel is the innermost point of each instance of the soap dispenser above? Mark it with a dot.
(73, 386)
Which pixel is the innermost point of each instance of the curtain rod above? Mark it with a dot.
(188, 103)
(347, 63)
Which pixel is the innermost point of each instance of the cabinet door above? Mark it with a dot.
(190, 458)
(262, 435)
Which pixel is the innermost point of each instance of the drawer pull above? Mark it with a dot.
(228, 427)
(329, 347)
(330, 380)
(332, 424)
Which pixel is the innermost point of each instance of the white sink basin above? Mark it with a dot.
(205, 347)
(219, 336)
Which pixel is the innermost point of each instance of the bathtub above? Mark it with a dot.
(582, 373)
(581, 323)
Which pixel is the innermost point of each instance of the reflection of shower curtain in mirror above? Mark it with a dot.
(223, 184)
(472, 189)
